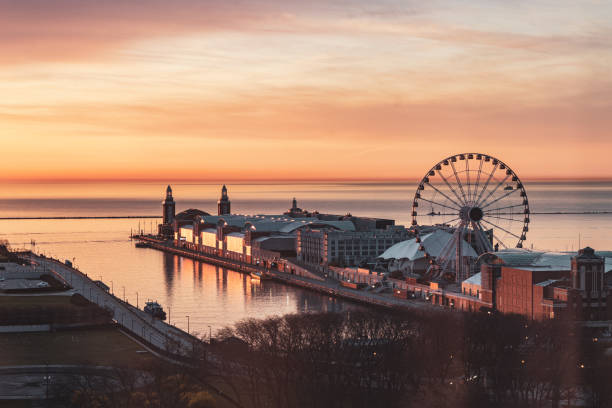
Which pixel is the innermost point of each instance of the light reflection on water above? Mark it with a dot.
(216, 297)
(209, 295)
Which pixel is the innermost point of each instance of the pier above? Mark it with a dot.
(328, 287)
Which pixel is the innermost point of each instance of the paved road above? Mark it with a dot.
(136, 321)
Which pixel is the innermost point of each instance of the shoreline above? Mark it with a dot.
(325, 287)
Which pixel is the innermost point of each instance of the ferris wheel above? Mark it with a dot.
(479, 201)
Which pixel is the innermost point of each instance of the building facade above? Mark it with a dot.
(323, 247)
(520, 283)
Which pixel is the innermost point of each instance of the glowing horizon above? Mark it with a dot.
(287, 91)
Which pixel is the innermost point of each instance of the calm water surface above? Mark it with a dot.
(216, 297)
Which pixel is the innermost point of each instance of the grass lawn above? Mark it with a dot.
(25, 300)
(15, 403)
(100, 346)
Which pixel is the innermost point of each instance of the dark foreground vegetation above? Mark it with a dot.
(369, 359)
(374, 359)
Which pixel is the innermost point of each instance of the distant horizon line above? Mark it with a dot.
(266, 180)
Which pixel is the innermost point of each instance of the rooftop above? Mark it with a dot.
(542, 260)
(433, 242)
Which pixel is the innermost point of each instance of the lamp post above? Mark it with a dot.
(47, 379)
(187, 324)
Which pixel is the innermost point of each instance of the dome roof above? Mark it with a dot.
(433, 242)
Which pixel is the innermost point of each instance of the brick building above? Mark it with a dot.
(546, 286)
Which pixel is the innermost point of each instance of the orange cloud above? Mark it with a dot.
(211, 90)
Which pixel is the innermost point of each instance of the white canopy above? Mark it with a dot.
(433, 242)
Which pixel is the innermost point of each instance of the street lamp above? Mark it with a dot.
(47, 379)
(187, 324)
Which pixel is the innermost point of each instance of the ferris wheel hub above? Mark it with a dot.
(469, 214)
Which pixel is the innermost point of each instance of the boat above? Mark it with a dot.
(155, 310)
(256, 275)
(259, 275)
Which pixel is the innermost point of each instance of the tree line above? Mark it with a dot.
(372, 358)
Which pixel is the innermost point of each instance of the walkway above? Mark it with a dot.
(142, 325)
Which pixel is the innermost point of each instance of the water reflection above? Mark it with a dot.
(215, 296)
(170, 265)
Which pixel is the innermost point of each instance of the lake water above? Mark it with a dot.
(215, 297)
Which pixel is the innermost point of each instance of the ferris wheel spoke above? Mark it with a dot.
(503, 208)
(497, 199)
(449, 244)
(459, 182)
(494, 236)
(503, 229)
(487, 183)
(459, 269)
(500, 241)
(477, 181)
(453, 220)
(441, 193)
(467, 175)
(503, 218)
(442, 205)
(444, 257)
(481, 236)
(484, 200)
(449, 186)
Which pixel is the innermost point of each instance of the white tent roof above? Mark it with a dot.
(434, 243)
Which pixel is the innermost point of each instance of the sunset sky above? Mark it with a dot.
(262, 89)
